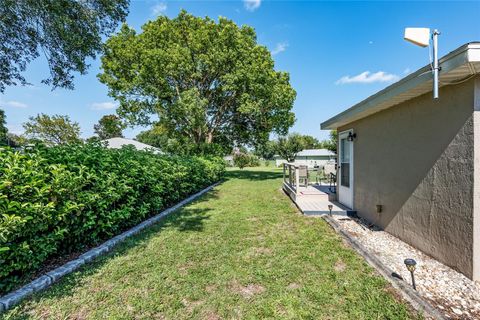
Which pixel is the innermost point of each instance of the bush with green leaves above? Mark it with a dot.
(63, 199)
(242, 160)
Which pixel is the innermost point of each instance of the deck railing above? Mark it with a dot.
(291, 177)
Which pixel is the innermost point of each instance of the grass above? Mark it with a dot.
(240, 252)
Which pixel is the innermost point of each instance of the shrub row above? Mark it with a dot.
(65, 198)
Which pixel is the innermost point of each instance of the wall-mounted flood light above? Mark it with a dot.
(421, 37)
(411, 265)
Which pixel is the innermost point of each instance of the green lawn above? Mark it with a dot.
(240, 252)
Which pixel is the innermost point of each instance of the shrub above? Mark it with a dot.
(60, 199)
(242, 160)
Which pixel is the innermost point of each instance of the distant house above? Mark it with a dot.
(118, 143)
(411, 164)
(310, 157)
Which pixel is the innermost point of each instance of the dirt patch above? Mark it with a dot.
(247, 291)
(210, 315)
(190, 305)
(339, 266)
(183, 269)
(293, 286)
(262, 251)
(81, 314)
(211, 288)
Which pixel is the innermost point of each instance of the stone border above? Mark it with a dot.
(407, 292)
(44, 281)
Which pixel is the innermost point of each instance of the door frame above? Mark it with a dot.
(350, 198)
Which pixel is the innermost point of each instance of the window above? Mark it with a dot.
(345, 162)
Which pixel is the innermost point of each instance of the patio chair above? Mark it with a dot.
(319, 174)
(333, 183)
(303, 175)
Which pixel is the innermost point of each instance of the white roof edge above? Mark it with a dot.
(468, 53)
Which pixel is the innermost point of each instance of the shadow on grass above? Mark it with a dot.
(253, 175)
(185, 219)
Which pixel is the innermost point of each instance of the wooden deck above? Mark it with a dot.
(315, 199)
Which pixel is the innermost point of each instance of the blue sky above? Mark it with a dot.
(337, 54)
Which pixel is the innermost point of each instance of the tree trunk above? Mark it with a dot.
(209, 137)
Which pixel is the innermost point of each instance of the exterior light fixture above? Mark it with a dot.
(330, 207)
(421, 37)
(411, 265)
(351, 136)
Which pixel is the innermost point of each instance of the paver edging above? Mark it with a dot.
(407, 292)
(41, 283)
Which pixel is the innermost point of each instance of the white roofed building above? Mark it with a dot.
(310, 157)
(118, 143)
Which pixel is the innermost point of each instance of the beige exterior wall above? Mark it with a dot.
(417, 161)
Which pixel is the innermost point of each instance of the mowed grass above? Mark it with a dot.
(241, 252)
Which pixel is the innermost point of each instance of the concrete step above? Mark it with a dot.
(319, 206)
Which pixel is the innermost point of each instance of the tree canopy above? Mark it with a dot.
(67, 32)
(52, 130)
(288, 146)
(203, 81)
(109, 126)
(3, 129)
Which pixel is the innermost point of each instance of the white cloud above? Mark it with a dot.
(280, 47)
(368, 77)
(14, 104)
(252, 5)
(103, 105)
(407, 71)
(159, 9)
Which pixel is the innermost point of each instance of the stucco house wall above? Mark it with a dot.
(416, 160)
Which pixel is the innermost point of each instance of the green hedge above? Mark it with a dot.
(62, 199)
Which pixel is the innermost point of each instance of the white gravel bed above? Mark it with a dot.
(448, 290)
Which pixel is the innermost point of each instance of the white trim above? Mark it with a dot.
(351, 187)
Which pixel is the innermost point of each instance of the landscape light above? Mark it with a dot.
(421, 37)
(330, 207)
(411, 265)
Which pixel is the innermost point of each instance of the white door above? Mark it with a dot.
(345, 170)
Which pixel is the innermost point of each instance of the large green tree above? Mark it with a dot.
(204, 81)
(310, 142)
(52, 130)
(266, 150)
(109, 126)
(67, 32)
(288, 146)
